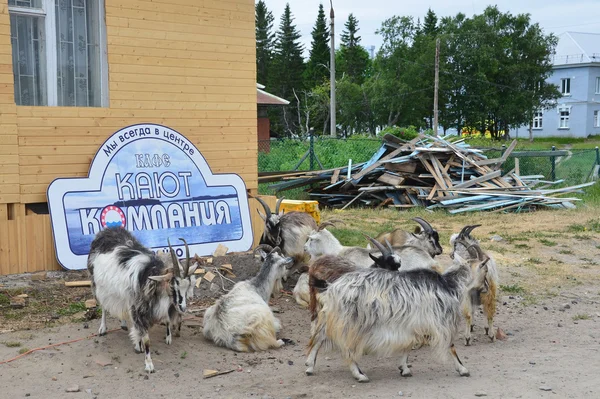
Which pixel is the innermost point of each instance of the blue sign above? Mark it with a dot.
(152, 181)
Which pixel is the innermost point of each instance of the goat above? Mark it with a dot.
(461, 245)
(288, 231)
(384, 312)
(425, 237)
(130, 281)
(328, 268)
(241, 319)
(323, 242)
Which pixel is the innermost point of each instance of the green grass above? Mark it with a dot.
(522, 246)
(183, 355)
(73, 308)
(12, 344)
(497, 248)
(548, 243)
(23, 350)
(4, 299)
(535, 261)
(565, 252)
(513, 289)
(581, 316)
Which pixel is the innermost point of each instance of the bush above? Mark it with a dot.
(404, 133)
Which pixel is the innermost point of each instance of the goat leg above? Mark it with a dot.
(148, 359)
(468, 313)
(404, 369)
(102, 329)
(123, 325)
(315, 344)
(169, 337)
(462, 370)
(357, 373)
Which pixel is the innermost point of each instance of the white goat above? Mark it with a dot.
(385, 312)
(425, 237)
(241, 319)
(131, 282)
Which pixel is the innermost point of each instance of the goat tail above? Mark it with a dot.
(313, 283)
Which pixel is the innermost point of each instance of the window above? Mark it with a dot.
(598, 85)
(565, 87)
(59, 52)
(565, 113)
(596, 119)
(537, 120)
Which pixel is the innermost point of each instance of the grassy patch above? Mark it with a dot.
(565, 252)
(548, 243)
(512, 289)
(522, 246)
(23, 350)
(12, 344)
(73, 308)
(582, 316)
(4, 299)
(183, 355)
(535, 261)
(496, 248)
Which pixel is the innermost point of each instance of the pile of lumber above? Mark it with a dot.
(430, 172)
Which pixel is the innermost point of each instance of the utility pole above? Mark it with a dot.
(437, 86)
(332, 75)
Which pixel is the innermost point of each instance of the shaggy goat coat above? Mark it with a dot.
(241, 319)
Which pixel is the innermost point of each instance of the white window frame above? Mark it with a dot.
(565, 83)
(564, 108)
(597, 118)
(537, 117)
(48, 12)
(597, 85)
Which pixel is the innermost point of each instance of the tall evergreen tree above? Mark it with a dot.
(352, 59)
(264, 41)
(316, 68)
(430, 23)
(286, 74)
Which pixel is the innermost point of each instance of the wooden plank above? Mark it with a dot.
(335, 176)
(479, 179)
(82, 283)
(517, 169)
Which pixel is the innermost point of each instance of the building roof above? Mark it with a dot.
(577, 48)
(264, 98)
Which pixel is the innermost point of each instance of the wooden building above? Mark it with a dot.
(72, 72)
(264, 101)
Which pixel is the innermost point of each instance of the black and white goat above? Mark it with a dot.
(425, 237)
(241, 319)
(385, 312)
(131, 282)
(288, 231)
(468, 247)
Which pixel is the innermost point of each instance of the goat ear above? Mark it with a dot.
(164, 277)
(281, 212)
(374, 258)
(263, 217)
(193, 268)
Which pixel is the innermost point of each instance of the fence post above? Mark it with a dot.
(311, 148)
(553, 161)
(598, 159)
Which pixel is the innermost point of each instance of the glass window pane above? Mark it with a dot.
(26, 3)
(29, 64)
(79, 67)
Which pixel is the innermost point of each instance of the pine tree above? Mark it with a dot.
(316, 68)
(286, 73)
(430, 23)
(352, 59)
(264, 41)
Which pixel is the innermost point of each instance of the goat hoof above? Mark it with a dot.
(168, 339)
(465, 373)
(124, 328)
(467, 341)
(473, 328)
(102, 334)
(492, 338)
(309, 371)
(487, 330)
(362, 378)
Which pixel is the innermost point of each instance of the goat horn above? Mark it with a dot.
(325, 224)
(389, 246)
(424, 224)
(477, 251)
(174, 259)
(265, 206)
(278, 205)
(266, 247)
(471, 228)
(377, 244)
(187, 258)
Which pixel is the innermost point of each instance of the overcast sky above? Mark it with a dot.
(555, 16)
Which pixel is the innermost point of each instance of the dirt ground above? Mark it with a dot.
(548, 307)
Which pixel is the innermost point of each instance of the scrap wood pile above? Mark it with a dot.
(431, 172)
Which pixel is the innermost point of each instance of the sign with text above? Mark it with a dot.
(152, 181)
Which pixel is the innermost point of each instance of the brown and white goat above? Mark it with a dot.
(469, 248)
(425, 237)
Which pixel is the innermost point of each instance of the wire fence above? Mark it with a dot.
(571, 167)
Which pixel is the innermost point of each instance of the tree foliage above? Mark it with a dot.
(264, 41)
(317, 67)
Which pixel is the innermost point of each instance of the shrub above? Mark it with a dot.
(404, 133)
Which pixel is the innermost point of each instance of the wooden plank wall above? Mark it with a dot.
(185, 64)
(26, 243)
